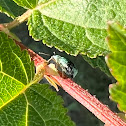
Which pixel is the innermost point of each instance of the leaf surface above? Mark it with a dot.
(65, 36)
(117, 63)
(98, 62)
(28, 4)
(16, 69)
(11, 8)
(22, 103)
(75, 26)
(38, 106)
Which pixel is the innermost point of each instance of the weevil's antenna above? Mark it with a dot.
(44, 54)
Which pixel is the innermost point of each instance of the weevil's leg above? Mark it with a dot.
(51, 82)
(49, 60)
(56, 65)
(62, 75)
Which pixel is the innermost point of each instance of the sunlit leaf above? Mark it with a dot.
(73, 26)
(22, 101)
(117, 63)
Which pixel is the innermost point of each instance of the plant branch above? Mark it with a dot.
(18, 20)
(100, 110)
(25, 16)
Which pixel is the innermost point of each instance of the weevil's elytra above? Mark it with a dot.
(63, 65)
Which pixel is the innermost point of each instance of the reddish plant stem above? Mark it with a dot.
(34, 57)
(100, 110)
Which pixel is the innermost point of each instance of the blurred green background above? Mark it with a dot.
(89, 78)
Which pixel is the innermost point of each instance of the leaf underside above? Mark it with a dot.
(64, 36)
(98, 62)
(117, 63)
(20, 102)
(11, 8)
(75, 26)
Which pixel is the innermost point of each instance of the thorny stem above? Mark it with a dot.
(100, 110)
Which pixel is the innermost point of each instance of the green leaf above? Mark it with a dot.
(38, 106)
(16, 69)
(22, 103)
(75, 26)
(98, 62)
(63, 36)
(117, 63)
(87, 14)
(10, 8)
(28, 4)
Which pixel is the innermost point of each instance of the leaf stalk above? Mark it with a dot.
(18, 20)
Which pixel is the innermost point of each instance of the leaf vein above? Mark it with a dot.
(22, 66)
(11, 77)
(7, 6)
(38, 113)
